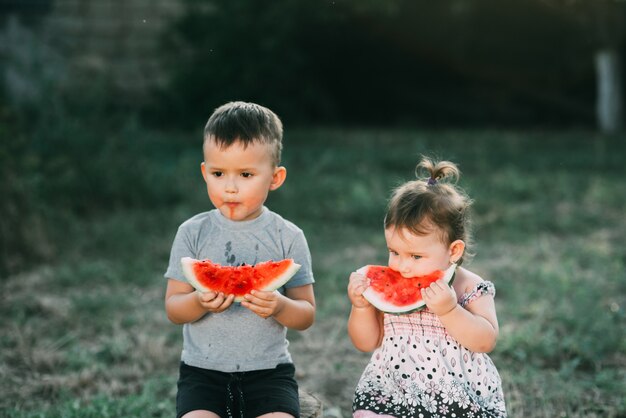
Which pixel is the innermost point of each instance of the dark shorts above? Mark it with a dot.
(238, 394)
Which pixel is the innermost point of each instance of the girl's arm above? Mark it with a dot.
(475, 326)
(295, 309)
(365, 324)
(365, 327)
(184, 304)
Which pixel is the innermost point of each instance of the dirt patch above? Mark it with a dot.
(328, 364)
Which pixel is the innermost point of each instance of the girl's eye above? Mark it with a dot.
(393, 252)
(417, 257)
(246, 175)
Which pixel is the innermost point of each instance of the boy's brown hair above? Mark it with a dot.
(247, 123)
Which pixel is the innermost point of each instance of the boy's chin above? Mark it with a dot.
(237, 215)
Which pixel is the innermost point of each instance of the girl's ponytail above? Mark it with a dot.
(437, 171)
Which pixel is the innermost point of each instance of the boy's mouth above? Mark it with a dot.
(231, 208)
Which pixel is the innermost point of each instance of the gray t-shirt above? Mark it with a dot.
(237, 339)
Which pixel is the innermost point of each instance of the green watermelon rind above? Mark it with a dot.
(379, 303)
(188, 263)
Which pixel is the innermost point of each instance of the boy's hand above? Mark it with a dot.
(264, 304)
(215, 302)
(357, 285)
(440, 298)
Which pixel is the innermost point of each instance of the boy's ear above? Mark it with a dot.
(456, 250)
(280, 174)
(203, 169)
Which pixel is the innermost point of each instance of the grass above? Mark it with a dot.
(87, 336)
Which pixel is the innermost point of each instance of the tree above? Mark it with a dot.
(605, 22)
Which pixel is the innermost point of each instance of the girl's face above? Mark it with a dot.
(418, 255)
(239, 179)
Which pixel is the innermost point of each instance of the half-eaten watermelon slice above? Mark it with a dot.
(390, 292)
(205, 275)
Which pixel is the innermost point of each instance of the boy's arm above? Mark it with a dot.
(295, 309)
(184, 304)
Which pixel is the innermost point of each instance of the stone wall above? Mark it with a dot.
(111, 41)
(119, 38)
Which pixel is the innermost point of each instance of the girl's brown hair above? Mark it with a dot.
(432, 202)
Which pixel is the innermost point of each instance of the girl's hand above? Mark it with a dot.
(357, 285)
(440, 298)
(215, 302)
(264, 304)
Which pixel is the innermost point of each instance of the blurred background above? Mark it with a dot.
(102, 106)
(455, 62)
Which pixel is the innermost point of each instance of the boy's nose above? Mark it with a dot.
(231, 186)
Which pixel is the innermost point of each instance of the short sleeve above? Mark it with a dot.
(481, 289)
(181, 247)
(299, 251)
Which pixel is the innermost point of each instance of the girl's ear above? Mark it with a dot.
(280, 174)
(456, 250)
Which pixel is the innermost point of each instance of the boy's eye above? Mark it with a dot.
(246, 175)
(217, 174)
(417, 257)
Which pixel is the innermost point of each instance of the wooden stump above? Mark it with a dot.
(310, 406)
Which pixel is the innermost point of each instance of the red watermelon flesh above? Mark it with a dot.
(390, 292)
(204, 275)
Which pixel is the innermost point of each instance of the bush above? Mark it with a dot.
(68, 151)
(379, 63)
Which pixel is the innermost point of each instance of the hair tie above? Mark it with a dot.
(432, 181)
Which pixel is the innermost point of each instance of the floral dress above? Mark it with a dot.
(420, 371)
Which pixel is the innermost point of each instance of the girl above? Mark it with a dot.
(430, 363)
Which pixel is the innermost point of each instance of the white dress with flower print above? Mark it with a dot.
(420, 371)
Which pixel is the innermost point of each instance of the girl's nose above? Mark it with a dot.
(405, 266)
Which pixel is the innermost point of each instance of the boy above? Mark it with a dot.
(235, 359)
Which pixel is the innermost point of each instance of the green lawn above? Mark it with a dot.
(85, 333)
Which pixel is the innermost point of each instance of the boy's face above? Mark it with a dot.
(239, 180)
(418, 255)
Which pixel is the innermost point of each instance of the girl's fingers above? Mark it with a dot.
(437, 285)
(358, 283)
(359, 289)
(358, 278)
(430, 292)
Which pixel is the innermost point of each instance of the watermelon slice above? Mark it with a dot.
(205, 275)
(390, 292)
